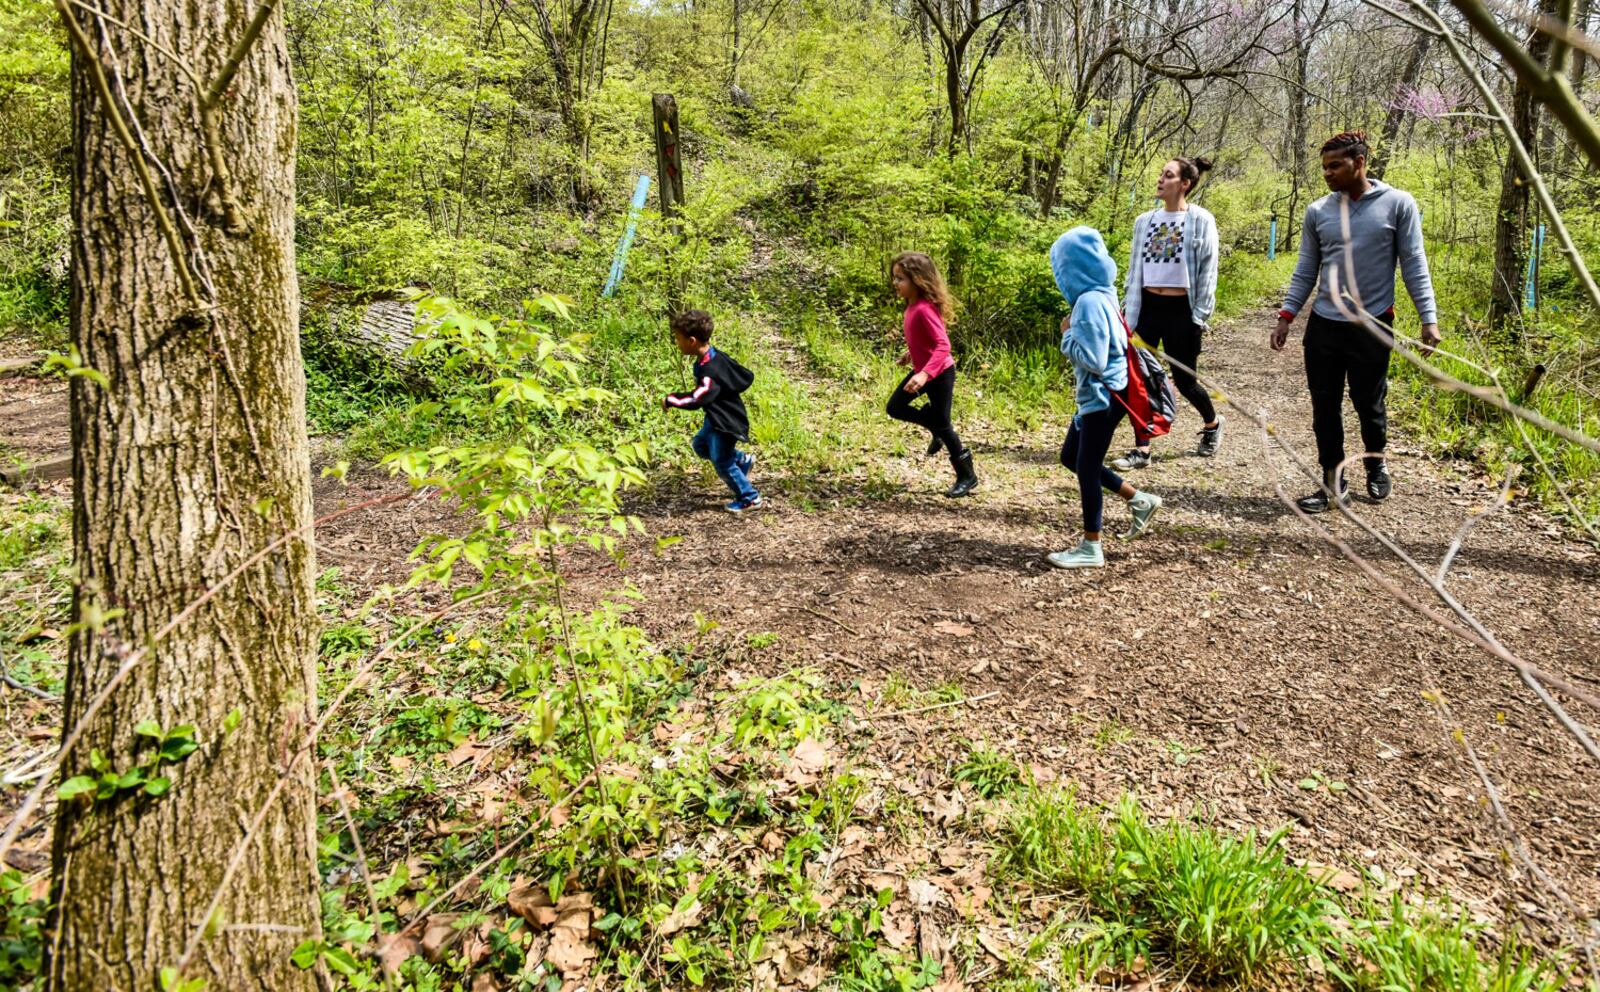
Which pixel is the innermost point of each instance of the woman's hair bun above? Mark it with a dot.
(1202, 164)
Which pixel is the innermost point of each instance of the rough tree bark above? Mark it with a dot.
(1299, 113)
(1511, 233)
(565, 40)
(956, 31)
(1390, 135)
(188, 460)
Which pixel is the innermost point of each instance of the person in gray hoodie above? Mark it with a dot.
(1385, 230)
(1093, 337)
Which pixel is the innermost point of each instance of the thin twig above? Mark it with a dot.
(819, 613)
(1449, 724)
(119, 127)
(361, 859)
(224, 79)
(13, 683)
(505, 849)
(934, 706)
(183, 66)
(1501, 499)
(588, 728)
(1520, 152)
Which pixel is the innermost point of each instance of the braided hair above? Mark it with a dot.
(1352, 144)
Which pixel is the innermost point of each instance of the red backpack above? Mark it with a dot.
(1150, 400)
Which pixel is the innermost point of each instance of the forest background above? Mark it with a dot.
(486, 152)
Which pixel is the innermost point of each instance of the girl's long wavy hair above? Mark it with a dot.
(924, 275)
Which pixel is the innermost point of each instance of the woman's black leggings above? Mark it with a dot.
(933, 416)
(1084, 452)
(1166, 322)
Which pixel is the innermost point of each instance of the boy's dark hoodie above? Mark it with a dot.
(718, 382)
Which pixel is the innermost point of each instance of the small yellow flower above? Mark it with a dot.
(475, 645)
(450, 638)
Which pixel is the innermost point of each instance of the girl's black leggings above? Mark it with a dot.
(1084, 452)
(1166, 322)
(933, 416)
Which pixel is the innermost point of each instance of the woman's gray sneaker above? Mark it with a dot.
(1210, 439)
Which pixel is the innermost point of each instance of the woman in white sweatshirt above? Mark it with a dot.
(1171, 291)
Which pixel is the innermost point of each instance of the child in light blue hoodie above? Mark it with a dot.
(1094, 338)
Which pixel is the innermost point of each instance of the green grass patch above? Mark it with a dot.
(1234, 911)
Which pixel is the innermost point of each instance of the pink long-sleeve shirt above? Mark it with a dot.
(926, 339)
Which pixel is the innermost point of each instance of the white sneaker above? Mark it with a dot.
(1143, 506)
(1086, 555)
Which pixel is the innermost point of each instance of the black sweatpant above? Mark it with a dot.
(1166, 322)
(1084, 452)
(934, 415)
(1340, 353)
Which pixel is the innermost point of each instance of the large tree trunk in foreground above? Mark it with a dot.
(190, 458)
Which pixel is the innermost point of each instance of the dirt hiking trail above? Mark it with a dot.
(1231, 661)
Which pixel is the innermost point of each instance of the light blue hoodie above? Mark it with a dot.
(1095, 341)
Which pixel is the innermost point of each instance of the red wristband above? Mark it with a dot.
(1286, 315)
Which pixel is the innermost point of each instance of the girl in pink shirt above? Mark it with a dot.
(929, 308)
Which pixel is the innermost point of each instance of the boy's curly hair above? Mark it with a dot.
(1353, 144)
(694, 324)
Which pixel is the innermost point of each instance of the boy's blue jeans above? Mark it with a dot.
(722, 451)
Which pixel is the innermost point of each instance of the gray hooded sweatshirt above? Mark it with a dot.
(1385, 230)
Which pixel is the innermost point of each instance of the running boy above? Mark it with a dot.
(1385, 230)
(718, 382)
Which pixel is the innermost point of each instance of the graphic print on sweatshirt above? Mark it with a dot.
(1162, 251)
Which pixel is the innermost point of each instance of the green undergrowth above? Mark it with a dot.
(816, 409)
(35, 586)
(738, 828)
(1235, 911)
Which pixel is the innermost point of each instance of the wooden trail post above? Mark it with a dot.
(669, 182)
(669, 158)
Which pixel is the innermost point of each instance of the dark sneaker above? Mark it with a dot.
(1210, 440)
(935, 445)
(1379, 485)
(741, 505)
(747, 462)
(1318, 502)
(1132, 460)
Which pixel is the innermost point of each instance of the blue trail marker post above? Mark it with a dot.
(620, 260)
(1272, 239)
(1530, 282)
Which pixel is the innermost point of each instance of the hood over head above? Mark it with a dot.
(1080, 262)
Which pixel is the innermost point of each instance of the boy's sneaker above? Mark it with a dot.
(1143, 506)
(1131, 460)
(741, 505)
(746, 462)
(1210, 440)
(1379, 485)
(934, 445)
(1086, 555)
